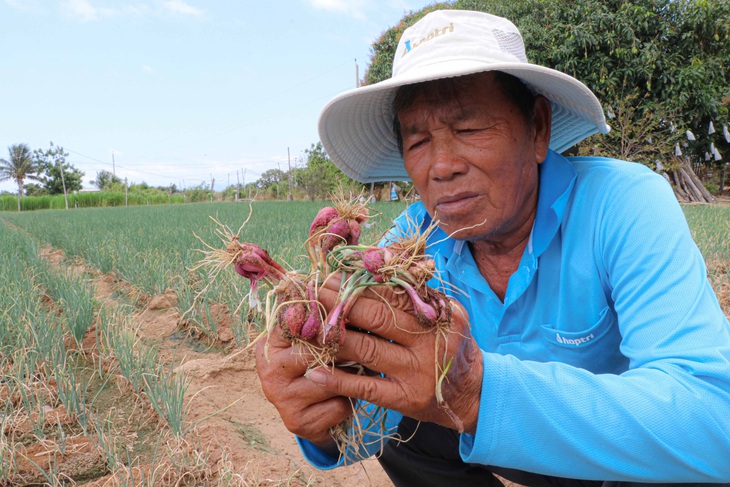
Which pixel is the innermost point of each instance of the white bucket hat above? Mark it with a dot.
(356, 127)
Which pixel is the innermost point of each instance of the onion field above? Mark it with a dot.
(106, 330)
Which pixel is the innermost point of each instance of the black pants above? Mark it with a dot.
(431, 458)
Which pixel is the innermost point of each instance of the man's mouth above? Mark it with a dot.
(455, 204)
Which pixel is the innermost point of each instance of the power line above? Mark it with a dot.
(165, 176)
(248, 124)
(233, 128)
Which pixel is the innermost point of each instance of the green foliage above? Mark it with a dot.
(50, 163)
(107, 181)
(639, 133)
(33, 189)
(274, 183)
(320, 177)
(229, 193)
(90, 200)
(270, 178)
(198, 194)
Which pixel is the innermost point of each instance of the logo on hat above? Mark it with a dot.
(436, 32)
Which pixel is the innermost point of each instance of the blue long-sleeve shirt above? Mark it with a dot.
(609, 358)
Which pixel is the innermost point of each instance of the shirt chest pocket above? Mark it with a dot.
(594, 347)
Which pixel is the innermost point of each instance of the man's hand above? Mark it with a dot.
(307, 410)
(407, 354)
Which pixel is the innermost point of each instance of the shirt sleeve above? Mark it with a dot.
(667, 418)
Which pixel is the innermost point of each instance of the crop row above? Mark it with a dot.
(56, 385)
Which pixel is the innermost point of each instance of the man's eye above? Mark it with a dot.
(416, 144)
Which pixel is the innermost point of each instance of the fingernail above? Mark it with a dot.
(318, 376)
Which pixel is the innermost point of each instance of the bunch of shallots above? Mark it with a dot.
(335, 252)
(334, 246)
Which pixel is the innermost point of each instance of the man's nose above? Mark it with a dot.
(446, 163)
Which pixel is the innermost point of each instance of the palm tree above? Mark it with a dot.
(21, 166)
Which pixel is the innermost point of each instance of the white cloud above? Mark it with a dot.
(182, 7)
(139, 10)
(85, 11)
(81, 9)
(92, 10)
(329, 4)
(148, 69)
(354, 8)
(31, 6)
(14, 3)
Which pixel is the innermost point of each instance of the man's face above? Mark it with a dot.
(474, 158)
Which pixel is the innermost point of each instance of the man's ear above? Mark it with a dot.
(543, 124)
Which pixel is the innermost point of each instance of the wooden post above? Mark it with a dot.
(63, 182)
(288, 155)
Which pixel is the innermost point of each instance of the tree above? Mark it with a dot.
(320, 177)
(665, 57)
(106, 181)
(273, 181)
(270, 178)
(32, 189)
(57, 175)
(19, 167)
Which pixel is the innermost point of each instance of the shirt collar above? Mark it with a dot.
(557, 178)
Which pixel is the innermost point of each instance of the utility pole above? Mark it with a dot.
(63, 182)
(277, 183)
(357, 75)
(288, 155)
(238, 188)
(114, 167)
(244, 183)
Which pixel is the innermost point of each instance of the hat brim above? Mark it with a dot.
(356, 127)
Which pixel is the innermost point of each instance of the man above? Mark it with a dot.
(591, 348)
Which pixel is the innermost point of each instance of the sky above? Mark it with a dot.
(180, 91)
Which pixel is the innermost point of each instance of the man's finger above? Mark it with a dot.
(374, 313)
(277, 357)
(313, 421)
(372, 352)
(274, 338)
(373, 389)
